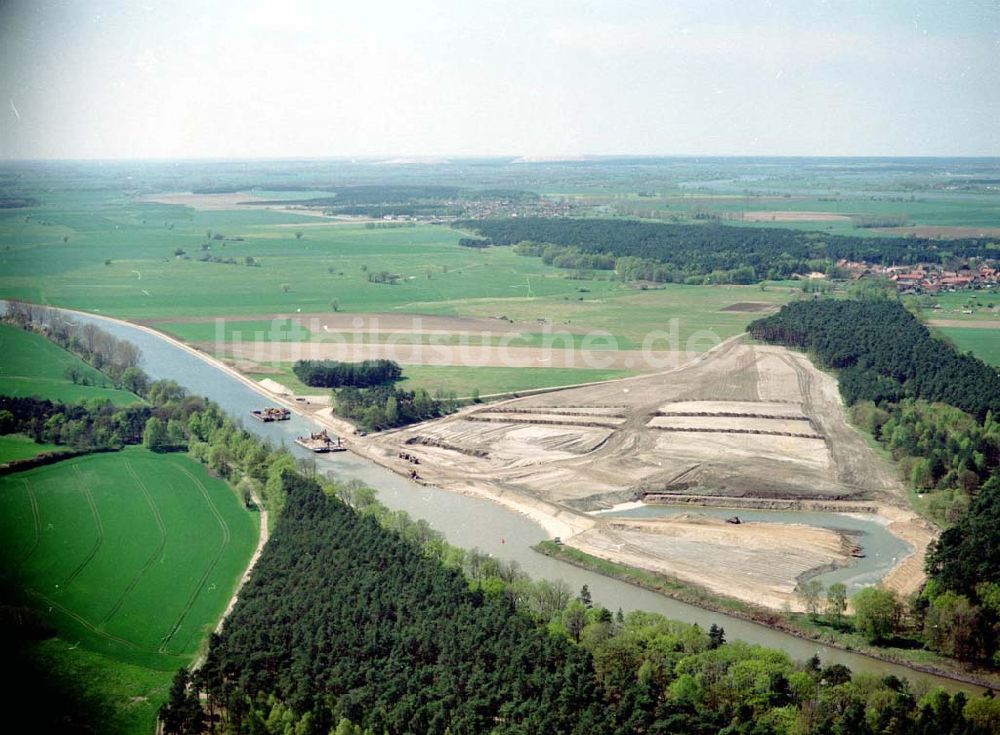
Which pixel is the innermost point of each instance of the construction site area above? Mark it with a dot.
(743, 425)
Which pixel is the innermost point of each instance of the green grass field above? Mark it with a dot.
(106, 251)
(119, 258)
(274, 330)
(983, 343)
(671, 317)
(943, 210)
(132, 556)
(966, 306)
(17, 446)
(33, 366)
(463, 381)
(823, 195)
(145, 279)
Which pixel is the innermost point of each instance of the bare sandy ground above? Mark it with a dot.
(411, 324)
(465, 355)
(961, 323)
(273, 386)
(908, 576)
(346, 323)
(560, 455)
(750, 561)
(227, 201)
(636, 457)
(764, 426)
(764, 216)
(552, 474)
(940, 232)
(773, 409)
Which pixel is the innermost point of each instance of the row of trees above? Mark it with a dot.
(175, 421)
(333, 374)
(676, 253)
(562, 256)
(171, 420)
(116, 358)
(964, 592)
(933, 408)
(94, 425)
(630, 268)
(351, 626)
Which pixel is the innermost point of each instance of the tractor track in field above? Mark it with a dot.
(211, 567)
(35, 517)
(152, 557)
(89, 496)
(94, 629)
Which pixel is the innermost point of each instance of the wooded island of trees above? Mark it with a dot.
(334, 374)
(387, 406)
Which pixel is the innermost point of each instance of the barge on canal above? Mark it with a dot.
(320, 442)
(271, 414)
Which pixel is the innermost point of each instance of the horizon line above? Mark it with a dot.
(412, 159)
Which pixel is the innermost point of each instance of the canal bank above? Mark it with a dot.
(467, 521)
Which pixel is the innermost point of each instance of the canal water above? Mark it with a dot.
(475, 523)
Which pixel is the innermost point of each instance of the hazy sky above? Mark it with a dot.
(290, 78)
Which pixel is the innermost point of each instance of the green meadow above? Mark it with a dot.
(229, 330)
(822, 195)
(132, 556)
(673, 316)
(17, 446)
(968, 210)
(463, 381)
(966, 306)
(106, 252)
(120, 266)
(34, 366)
(983, 343)
(112, 254)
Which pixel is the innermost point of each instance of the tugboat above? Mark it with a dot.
(271, 414)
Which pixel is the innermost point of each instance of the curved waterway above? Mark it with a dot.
(881, 549)
(471, 522)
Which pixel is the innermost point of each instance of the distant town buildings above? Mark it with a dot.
(928, 278)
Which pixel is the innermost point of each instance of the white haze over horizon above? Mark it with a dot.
(446, 78)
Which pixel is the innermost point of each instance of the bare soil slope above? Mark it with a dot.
(741, 421)
(747, 420)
